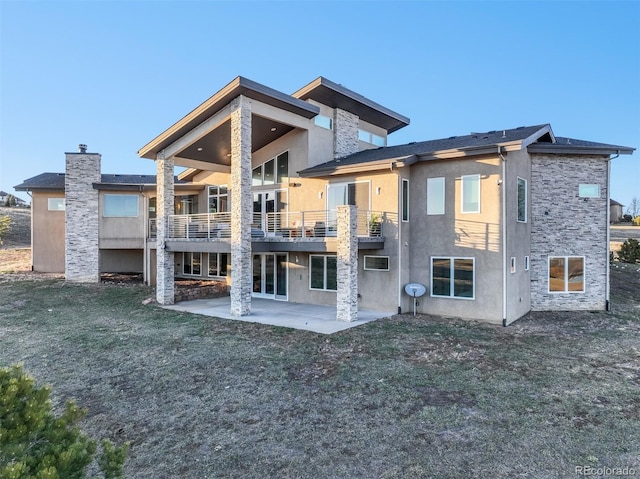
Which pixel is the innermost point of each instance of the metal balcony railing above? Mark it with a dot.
(296, 224)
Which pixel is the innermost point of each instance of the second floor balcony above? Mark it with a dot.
(285, 226)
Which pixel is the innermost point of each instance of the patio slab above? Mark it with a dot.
(308, 317)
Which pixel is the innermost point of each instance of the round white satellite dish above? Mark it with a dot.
(415, 289)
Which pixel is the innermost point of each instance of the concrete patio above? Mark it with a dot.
(309, 317)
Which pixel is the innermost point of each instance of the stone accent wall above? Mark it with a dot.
(200, 290)
(164, 207)
(345, 133)
(241, 206)
(347, 259)
(563, 224)
(82, 254)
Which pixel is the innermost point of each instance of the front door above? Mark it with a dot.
(270, 275)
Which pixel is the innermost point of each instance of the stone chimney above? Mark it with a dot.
(345, 133)
(82, 254)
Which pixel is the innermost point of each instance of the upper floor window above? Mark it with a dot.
(522, 200)
(405, 200)
(275, 170)
(371, 138)
(435, 196)
(121, 206)
(589, 191)
(471, 194)
(55, 204)
(323, 121)
(218, 199)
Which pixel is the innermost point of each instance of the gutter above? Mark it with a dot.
(608, 286)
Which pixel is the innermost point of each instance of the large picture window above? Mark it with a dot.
(566, 274)
(121, 206)
(435, 196)
(323, 272)
(522, 200)
(471, 194)
(453, 277)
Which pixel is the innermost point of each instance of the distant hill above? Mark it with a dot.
(20, 234)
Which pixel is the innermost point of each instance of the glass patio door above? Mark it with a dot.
(270, 276)
(272, 206)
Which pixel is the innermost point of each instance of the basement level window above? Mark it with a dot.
(589, 191)
(376, 263)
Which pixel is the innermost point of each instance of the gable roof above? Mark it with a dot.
(473, 143)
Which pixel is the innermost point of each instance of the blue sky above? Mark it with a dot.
(115, 74)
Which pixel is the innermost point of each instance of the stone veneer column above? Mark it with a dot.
(241, 206)
(164, 207)
(82, 217)
(347, 294)
(345, 133)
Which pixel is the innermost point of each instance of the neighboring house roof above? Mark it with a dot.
(3, 193)
(55, 181)
(614, 203)
(536, 138)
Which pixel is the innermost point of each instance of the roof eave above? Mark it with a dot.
(387, 163)
(579, 150)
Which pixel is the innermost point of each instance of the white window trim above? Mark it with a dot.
(452, 269)
(324, 268)
(566, 271)
(184, 262)
(462, 210)
(342, 183)
(405, 182)
(526, 200)
(432, 180)
(527, 264)
(63, 203)
(275, 170)
(375, 269)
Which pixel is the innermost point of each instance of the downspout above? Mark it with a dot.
(503, 236)
(145, 230)
(608, 206)
(392, 168)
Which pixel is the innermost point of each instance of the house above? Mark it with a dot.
(19, 201)
(615, 211)
(298, 198)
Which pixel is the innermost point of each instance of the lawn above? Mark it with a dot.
(400, 397)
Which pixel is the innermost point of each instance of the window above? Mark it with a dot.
(435, 196)
(323, 121)
(453, 277)
(376, 263)
(218, 199)
(356, 193)
(526, 263)
(218, 264)
(121, 206)
(275, 170)
(471, 194)
(186, 205)
(371, 138)
(522, 200)
(589, 191)
(513, 264)
(323, 274)
(405, 200)
(191, 263)
(55, 204)
(566, 274)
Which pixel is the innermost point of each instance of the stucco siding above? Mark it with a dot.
(47, 239)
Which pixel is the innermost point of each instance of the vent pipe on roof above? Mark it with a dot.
(82, 148)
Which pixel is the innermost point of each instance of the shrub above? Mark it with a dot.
(636, 221)
(5, 226)
(627, 218)
(34, 443)
(630, 251)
